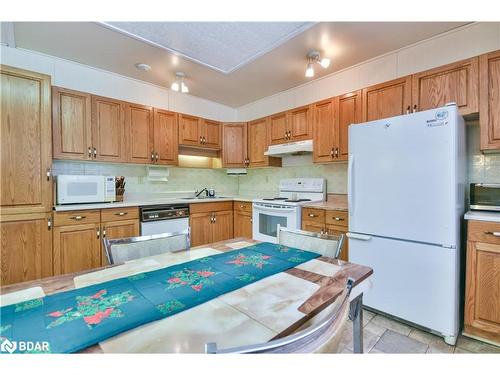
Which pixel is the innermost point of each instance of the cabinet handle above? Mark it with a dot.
(121, 213)
(49, 173)
(77, 218)
(201, 139)
(215, 218)
(496, 234)
(152, 156)
(251, 220)
(408, 109)
(332, 153)
(204, 140)
(157, 157)
(414, 108)
(242, 206)
(95, 153)
(90, 152)
(338, 218)
(337, 152)
(98, 233)
(103, 232)
(49, 223)
(312, 215)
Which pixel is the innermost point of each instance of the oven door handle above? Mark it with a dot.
(260, 208)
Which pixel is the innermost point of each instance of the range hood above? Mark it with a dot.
(293, 148)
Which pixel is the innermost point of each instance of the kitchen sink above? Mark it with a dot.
(203, 197)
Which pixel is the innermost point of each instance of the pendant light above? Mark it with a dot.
(179, 84)
(314, 57)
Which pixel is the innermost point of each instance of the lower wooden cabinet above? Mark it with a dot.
(482, 281)
(26, 247)
(210, 222)
(242, 219)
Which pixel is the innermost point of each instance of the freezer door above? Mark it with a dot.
(415, 282)
(402, 180)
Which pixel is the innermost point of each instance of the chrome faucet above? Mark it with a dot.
(198, 193)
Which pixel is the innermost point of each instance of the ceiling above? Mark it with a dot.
(233, 63)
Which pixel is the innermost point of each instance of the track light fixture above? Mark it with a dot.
(178, 84)
(314, 57)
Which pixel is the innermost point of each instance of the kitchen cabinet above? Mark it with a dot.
(25, 144)
(71, 125)
(222, 225)
(258, 142)
(166, 140)
(140, 128)
(324, 131)
(108, 130)
(26, 247)
(242, 219)
(457, 82)
(210, 222)
(201, 228)
(300, 123)
(482, 281)
(392, 98)
(489, 100)
(347, 111)
(200, 133)
(234, 141)
(278, 128)
(211, 132)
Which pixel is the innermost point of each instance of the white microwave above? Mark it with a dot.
(85, 189)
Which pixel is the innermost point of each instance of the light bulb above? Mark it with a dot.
(175, 86)
(184, 88)
(310, 70)
(325, 62)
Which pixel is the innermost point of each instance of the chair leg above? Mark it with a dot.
(356, 315)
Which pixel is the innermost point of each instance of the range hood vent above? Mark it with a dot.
(293, 148)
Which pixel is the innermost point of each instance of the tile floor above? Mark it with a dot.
(384, 335)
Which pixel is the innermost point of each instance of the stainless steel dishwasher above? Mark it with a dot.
(169, 218)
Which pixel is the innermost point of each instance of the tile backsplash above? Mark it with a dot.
(265, 181)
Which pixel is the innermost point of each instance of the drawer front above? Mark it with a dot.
(312, 226)
(77, 217)
(484, 231)
(335, 217)
(243, 206)
(114, 214)
(195, 208)
(313, 214)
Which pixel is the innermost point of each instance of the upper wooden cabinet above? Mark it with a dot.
(258, 142)
(300, 123)
(211, 133)
(71, 125)
(165, 143)
(457, 82)
(26, 153)
(324, 131)
(489, 93)
(234, 145)
(278, 128)
(139, 123)
(347, 112)
(108, 129)
(200, 133)
(386, 99)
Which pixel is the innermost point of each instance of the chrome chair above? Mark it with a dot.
(324, 244)
(125, 249)
(323, 337)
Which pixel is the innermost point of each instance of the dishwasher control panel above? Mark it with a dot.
(166, 212)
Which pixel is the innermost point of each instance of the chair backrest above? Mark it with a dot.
(124, 249)
(323, 337)
(324, 244)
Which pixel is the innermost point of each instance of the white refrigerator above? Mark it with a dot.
(406, 178)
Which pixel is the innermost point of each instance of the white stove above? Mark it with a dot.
(286, 208)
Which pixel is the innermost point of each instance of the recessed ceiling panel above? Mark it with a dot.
(224, 46)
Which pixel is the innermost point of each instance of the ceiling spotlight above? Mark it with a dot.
(313, 57)
(143, 67)
(179, 84)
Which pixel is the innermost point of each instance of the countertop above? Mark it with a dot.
(327, 205)
(146, 201)
(483, 216)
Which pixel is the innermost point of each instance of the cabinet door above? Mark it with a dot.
(25, 142)
(139, 122)
(347, 112)
(242, 224)
(71, 124)
(211, 133)
(489, 112)
(76, 248)
(166, 137)
(387, 99)
(336, 231)
(457, 82)
(222, 226)
(258, 141)
(324, 131)
(26, 248)
(119, 229)
(189, 130)
(300, 123)
(234, 150)
(278, 128)
(312, 226)
(108, 130)
(201, 228)
(482, 301)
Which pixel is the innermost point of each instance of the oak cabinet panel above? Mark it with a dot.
(166, 137)
(324, 131)
(108, 130)
(387, 99)
(457, 82)
(189, 130)
(278, 128)
(347, 111)
(26, 248)
(211, 133)
(489, 91)
(243, 219)
(300, 123)
(222, 226)
(25, 142)
(258, 142)
(121, 229)
(77, 248)
(312, 226)
(234, 150)
(71, 124)
(201, 228)
(139, 122)
(336, 231)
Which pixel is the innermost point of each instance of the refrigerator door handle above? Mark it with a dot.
(350, 184)
(357, 236)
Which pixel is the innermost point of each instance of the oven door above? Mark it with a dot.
(266, 218)
(485, 197)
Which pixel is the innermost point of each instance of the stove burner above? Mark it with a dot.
(297, 200)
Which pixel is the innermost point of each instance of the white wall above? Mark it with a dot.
(85, 78)
(462, 43)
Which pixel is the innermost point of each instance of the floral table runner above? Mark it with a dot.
(70, 321)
